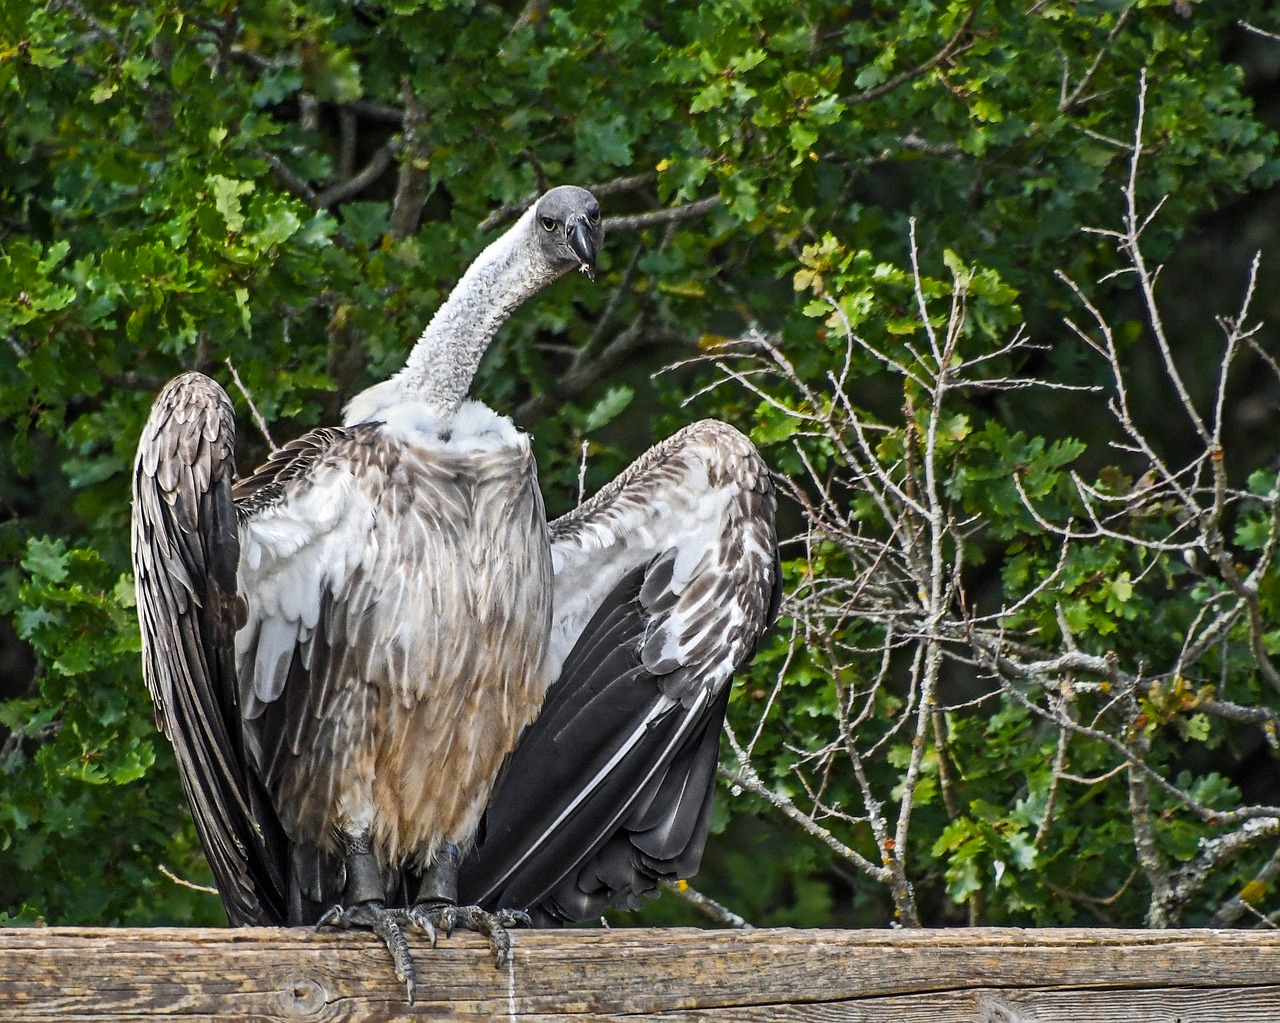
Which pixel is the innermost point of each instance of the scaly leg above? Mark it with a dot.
(363, 905)
(437, 908)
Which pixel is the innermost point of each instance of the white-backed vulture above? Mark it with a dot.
(345, 646)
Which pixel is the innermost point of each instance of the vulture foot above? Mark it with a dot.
(437, 908)
(433, 917)
(388, 925)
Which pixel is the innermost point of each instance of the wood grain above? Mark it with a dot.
(979, 975)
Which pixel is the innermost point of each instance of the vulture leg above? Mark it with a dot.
(437, 908)
(363, 906)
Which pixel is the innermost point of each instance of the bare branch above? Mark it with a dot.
(1258, 31)
(706, 905)
(253, 409)
(879, 606)
(207, 889)
(1242, 902)
(383, 112)
(670, 215)
(343, 190)
(1077, 96)
(292, 182)
(1133, 232)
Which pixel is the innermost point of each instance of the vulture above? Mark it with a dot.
(398, 697)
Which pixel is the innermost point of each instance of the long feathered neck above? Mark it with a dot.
(440, 368)
(443, 362)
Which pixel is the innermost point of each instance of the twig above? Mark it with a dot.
(1258, 31)
(253, 409)
(1066, 102)
(1129, 243)
(746, 778)
(185, 883)
(582, 471)
(706, 905)
(1242, 901)
(949, 49)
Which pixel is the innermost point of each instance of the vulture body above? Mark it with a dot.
(346, 646)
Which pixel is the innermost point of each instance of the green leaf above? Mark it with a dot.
(46, 559)
(226, 199)
(608, 408)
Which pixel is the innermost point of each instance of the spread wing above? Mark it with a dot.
(189, 517)
(665, 581)
(185, 555)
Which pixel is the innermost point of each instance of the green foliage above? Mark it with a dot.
(179, 185)
(955, 552)
(77, 750)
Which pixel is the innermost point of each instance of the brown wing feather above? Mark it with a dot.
(185, 552)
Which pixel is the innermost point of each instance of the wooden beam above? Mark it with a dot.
(978, 975)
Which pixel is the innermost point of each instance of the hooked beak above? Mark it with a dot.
(583, 243)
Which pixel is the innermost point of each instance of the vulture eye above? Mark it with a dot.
(594, 215)
(548, 224)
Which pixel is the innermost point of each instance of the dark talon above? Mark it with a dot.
(420, 918)
(333, 917)
(514, 918)
(385, 923)
(446, 917)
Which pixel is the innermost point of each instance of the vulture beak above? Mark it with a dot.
(583, 243)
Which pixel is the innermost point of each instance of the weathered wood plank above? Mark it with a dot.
(975, 975)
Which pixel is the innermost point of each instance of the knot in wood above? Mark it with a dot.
(302, 998)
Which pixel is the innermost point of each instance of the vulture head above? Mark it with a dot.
(567, 229)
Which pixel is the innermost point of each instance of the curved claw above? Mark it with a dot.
(334, 916)
(494, 927)
(514, 918)
(476, 919)
(421, 918)
(386, 924)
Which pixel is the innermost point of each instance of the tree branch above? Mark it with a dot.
(706, 905)
(414, 177)
(949, 49)
(670, 215)
(343, 190)
(509, 212)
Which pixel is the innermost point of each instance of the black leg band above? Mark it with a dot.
(440, 882)
(364, 880)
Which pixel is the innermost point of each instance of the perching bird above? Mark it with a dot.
(345, 646)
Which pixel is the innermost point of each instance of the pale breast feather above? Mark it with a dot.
(369, 571)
